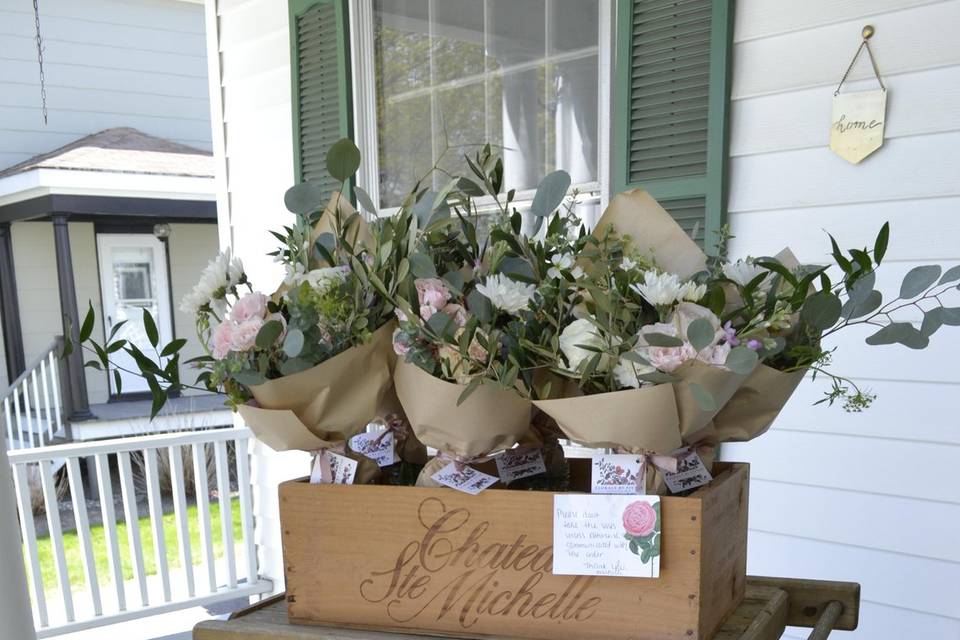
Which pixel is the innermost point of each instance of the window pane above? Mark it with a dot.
(518, 73)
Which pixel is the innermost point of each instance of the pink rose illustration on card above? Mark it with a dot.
(641, 523)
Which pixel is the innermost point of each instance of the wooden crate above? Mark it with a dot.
(441, 562)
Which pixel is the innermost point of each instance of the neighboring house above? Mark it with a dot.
(110, 203)
(723, 120)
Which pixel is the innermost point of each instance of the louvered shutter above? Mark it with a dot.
(670, 107)
(320, 75)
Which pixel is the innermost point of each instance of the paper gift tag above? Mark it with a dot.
(378, 446)
(691, 472)
(615, 473)
(342, 469)
(521, 462)
(466, 479)
(606, 535)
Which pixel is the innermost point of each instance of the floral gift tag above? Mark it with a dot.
(342, 469)
(378, 446)
(691, 472)
(522, 462)
(606, 535)
(615, 473)
(466, 479)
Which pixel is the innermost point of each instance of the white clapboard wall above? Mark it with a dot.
(254, 149)
(870, 497)
(107, 63)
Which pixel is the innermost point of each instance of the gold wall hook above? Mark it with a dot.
(868, 32)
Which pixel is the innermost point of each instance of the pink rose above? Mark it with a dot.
(222, 338)
(639, 519)
(427, 311)
(432, 292)
(244, 335)
(252, 305)
(669, 359)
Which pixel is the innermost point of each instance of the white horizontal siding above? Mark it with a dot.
(107, 63)
(253, 69)
(870, 497)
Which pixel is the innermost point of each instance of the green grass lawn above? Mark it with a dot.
(74, 554)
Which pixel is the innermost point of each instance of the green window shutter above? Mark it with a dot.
(672, 88)
(320, 77)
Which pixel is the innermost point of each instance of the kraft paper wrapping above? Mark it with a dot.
(634, 419)
(489, 420)
(695, 422)
(410, 449)
(752, 410)
(653, 232)
(332, 401)
(357, 233)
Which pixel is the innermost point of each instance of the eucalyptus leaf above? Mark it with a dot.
(868, 305)
(304, 198)
(293, 343)
(862, 288)
(932, 320)
(480, 306)
(899, 332)
(268, 334)
(454, 280)
(703, 397)
(701, 334)
(662, 340)
(365, 201)
(424, 208)
(441, 324)
(249, 378)
(950, 316)
(470, 187)
(550, 193)
(741, 360)
(343, 159)
(951, 275)
(918, 280)
(821, 310)
(422, 266)
(517, 269)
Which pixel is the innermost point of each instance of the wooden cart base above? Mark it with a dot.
(770, 605)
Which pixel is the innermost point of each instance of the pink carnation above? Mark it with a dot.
(432, 292)
(252, 305)
(669, 359)
(457, 312)
(222, 338)
(244, 335)
(639, 519)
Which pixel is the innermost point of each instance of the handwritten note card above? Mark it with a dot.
(606, 535)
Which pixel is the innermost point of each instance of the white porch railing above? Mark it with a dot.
(32, 411)
(65, 609)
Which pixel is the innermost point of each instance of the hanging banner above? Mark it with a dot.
(857, 124)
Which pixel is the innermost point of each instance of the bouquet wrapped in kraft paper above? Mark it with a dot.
(488, 421)
(648, 363)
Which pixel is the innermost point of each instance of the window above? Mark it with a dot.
(449, 75)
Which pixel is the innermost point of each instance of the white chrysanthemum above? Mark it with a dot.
(659, 289)
(742, 271)
(235, 272)
(693, 292)
(560, 264)
(214, 282)
(628, 265)
(507, 294)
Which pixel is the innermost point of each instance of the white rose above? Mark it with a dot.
(687, 312)
(627, 373)
(579, 332)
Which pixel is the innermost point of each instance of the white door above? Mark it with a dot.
(133, 277)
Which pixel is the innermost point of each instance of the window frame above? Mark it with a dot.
(361, 43)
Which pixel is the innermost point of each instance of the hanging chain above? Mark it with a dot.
(876, 70)
(43, 82)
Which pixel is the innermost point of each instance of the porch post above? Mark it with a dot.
(15, 612)
(79, 404)
(10, 307)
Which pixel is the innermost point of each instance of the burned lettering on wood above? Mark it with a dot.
(453, 570)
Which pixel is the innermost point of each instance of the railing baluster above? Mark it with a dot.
(83, 532)
(110, 527)
(24, 444)
(29, 534)
(246, 508)
(46, 399)
(226, 519)
(56, 535)
(55, 383)
(8, 420)
(132, 518)
(203, 510)
(156, 520)
(36, 407)
(25, 392)
(180, 511)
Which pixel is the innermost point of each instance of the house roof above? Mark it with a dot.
(123, 150)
